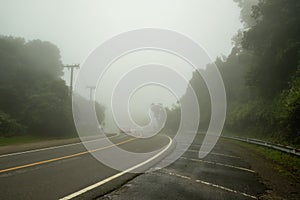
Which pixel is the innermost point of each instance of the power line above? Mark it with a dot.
(71, 67)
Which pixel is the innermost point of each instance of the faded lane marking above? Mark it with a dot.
(63, 157)
(208, 184)
(164, 171)
(220, 164)
(226, 189)
(217, 154)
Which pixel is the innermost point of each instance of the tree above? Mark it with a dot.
(275, 43)
(261, 74)
(33, 97)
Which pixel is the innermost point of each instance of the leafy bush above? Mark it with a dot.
(290, 115)
(49, 115)
(9, 126)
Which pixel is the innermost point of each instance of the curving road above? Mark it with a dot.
(221, 175)
(70, 172)
(56, 172)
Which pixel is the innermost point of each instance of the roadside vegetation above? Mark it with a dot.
(4, 141)
(264, 97)
(284, 163)
(35, 103)
(261, 75)
(34, 100)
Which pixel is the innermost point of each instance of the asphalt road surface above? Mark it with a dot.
(68, 170)
(57, 172)
(220, 175)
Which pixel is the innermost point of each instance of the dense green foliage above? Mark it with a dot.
(34, 99)
(269, 53)
(262, 73)
(9, 126)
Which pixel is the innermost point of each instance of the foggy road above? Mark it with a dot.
(204, 95)
(221, 175)
(57, 172)
(70, 172)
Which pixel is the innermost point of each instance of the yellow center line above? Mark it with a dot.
(64, 157)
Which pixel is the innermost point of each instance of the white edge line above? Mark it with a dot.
(226, 189)
(54, 147)
(220, 164)
(116, 175)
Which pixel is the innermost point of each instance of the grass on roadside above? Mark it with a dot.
(284, 163)
(4, 141)
(19, 140)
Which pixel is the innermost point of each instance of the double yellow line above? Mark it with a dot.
(64, 157)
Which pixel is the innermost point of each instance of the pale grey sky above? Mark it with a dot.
(77, 27)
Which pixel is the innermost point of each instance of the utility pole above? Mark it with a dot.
(72, 67)
(92, 88)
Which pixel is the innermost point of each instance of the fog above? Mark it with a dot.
(78, 27)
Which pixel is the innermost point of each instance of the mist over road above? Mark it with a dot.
(220, 175)
(56, 172)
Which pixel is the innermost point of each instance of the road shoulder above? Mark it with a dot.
(279, 186)
(41, 144)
